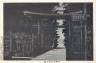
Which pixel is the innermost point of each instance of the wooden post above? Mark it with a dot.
(81, 33)
(38, 28)
(39, 33)
(42, 36)
(85, 33)
(85, 43)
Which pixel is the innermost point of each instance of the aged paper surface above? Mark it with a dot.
(36, 1)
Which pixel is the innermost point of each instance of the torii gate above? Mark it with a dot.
(77, 46)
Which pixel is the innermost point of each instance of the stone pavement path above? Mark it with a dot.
(54, 54)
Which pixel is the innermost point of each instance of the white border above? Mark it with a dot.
(33, 1)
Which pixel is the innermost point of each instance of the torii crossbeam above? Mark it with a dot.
(49, 16)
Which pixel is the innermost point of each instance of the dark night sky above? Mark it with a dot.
(16, 9)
